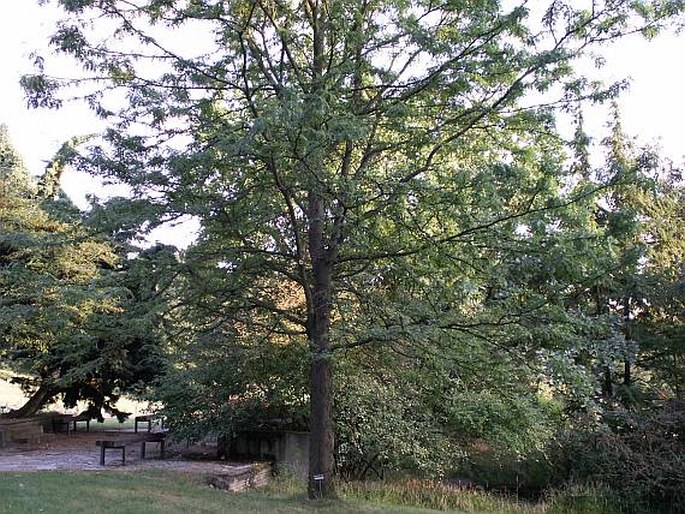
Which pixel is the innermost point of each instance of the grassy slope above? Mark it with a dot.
(152, 493)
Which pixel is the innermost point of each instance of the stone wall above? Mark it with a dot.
(241, 478)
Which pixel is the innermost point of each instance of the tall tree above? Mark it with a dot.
(628, 298)
(373, 155)
(641, 217)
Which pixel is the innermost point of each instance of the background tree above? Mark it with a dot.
(76, 322)
(636, 220)
(374, 156)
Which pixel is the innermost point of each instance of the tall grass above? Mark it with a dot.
(436, 495)
(574, 499)
(447, 497)
(167, 492)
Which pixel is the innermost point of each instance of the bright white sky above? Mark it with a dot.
(653, 109)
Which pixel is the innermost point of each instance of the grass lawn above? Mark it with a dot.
(155, 492)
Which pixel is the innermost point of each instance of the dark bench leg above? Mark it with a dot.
(57, 426)
(103, 449)
(137, 422)
(161, 448)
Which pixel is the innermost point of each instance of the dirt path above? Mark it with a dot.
(79, 452)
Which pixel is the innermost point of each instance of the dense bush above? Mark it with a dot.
(522, 475)
(383, 427)
(643, 462)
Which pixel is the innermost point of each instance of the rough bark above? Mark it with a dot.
(627, 375)
(321, 444)
(320, 482)
(607, 384)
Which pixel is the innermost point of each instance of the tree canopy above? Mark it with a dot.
(74, 325)
(366, 174)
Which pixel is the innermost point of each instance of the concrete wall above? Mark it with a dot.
(25, 430)
(289, 450)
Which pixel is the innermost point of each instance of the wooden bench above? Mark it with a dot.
(111, 445)
(145, 418)
(69, 422)
(156, 437)
(81, 418)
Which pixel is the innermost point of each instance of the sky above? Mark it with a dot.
(653, 109)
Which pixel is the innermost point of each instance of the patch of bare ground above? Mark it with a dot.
(78, 452)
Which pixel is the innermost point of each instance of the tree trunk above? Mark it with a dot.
(322, 255)
(320, 482)
(607, 384)
(627, 378)
(34, 404)
(627, 375)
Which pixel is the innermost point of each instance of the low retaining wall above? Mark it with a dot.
(25, 430)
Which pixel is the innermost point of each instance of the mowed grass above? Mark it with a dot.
(157, 492)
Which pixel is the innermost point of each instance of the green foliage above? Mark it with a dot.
(642, 462)
(257, 387)
(71, 313)
(367, 175)
(385, 425)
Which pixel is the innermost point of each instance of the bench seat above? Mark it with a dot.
(155, 437)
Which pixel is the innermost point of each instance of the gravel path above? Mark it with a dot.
(78, 452)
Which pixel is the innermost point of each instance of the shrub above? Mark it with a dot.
(643, 463)
(524, 475)
(383, 429)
